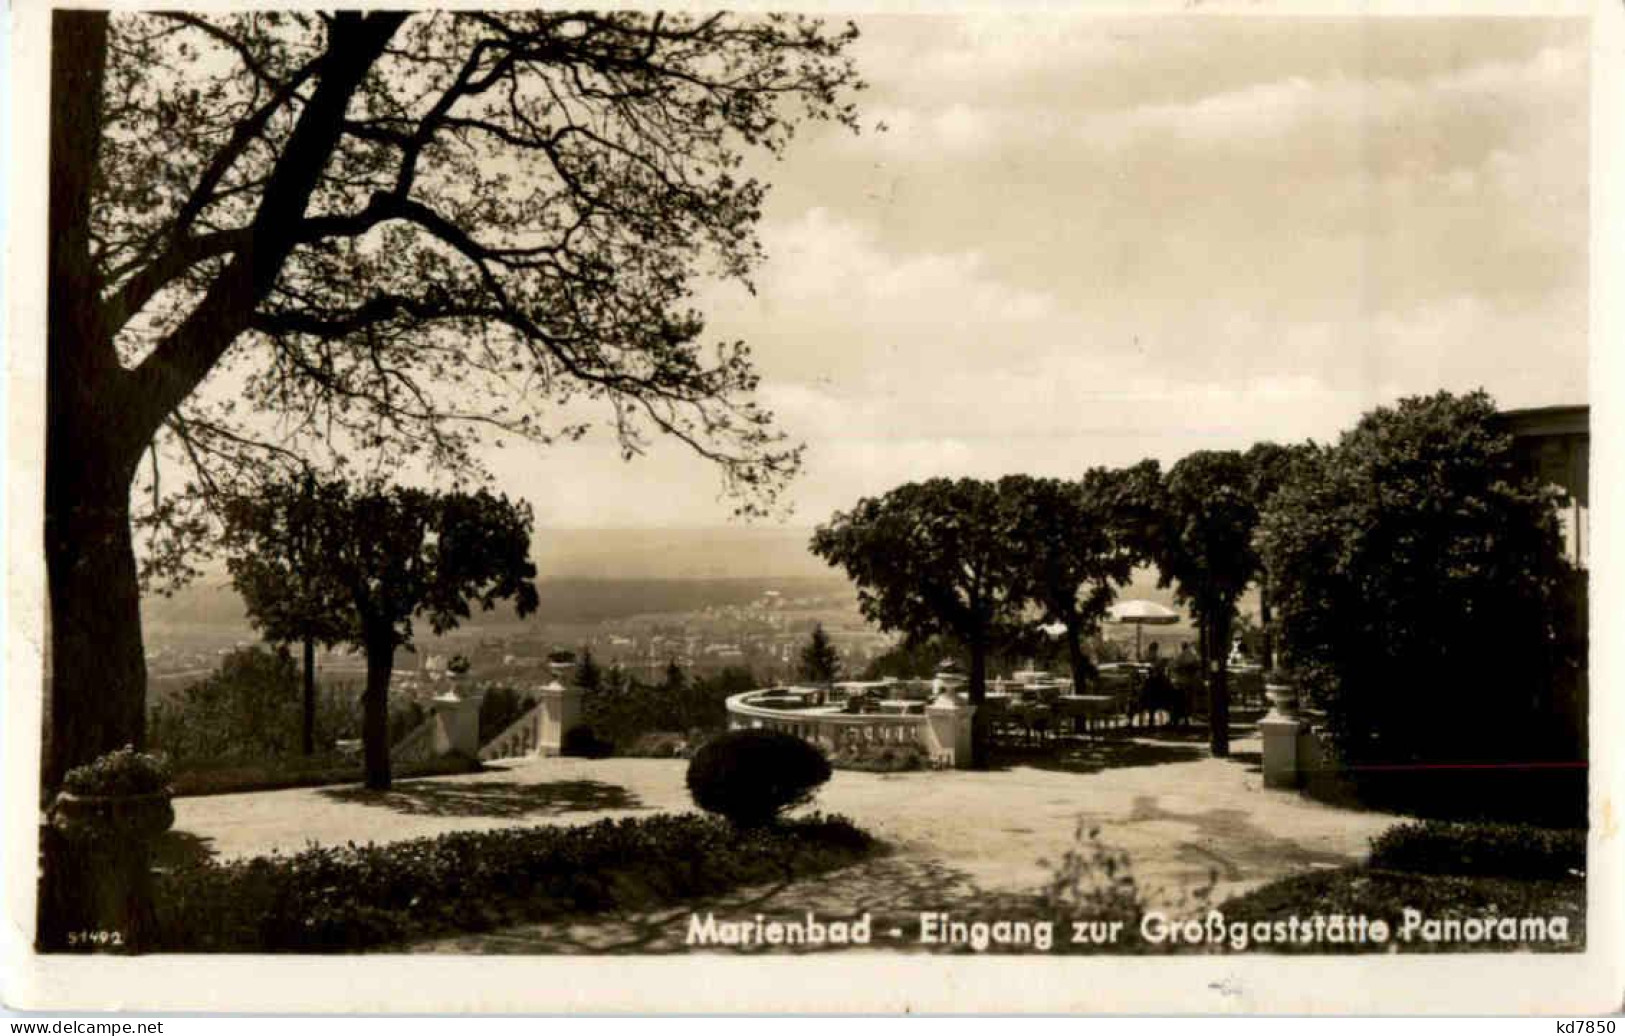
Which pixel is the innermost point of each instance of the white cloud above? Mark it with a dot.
(1087, 243)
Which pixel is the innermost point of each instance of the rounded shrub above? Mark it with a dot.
(751, 776)
(124, 772)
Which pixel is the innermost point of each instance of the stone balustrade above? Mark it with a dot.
(519, 738)
(941, 729)
(541, 730)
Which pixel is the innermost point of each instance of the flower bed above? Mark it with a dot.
(880, 758)
(354, 897)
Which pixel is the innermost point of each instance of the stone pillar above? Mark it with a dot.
(560, 712)
(456, 726)
(948, 731)
(1281, 730)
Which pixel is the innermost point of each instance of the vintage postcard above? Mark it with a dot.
(1072, 508)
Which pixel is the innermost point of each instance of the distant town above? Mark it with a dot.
(703, 626)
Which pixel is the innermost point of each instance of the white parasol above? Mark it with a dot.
(1142, 613)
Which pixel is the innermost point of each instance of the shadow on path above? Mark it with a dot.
(508, 799)
(892, 889)
(174, 850)
(1092, 756)
(1254, 761)
(1231, 843)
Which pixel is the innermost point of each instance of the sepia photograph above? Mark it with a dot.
(1095, 494)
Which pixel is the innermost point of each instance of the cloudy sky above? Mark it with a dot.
(1089, 241)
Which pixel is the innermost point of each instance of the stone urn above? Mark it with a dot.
(83, 818)
(1282, 693)
(97, 844)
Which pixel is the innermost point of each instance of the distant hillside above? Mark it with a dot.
(595, 600)
(589, 575)
(207, 605)
(730, 552)
(653, 570)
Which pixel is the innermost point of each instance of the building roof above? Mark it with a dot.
(1540, 421)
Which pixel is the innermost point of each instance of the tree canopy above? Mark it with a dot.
(1206, 550)
(931, 558)
(385, 236)
(1072, 564)
(295, 600)
(421, 226)
(391, 555)
(276, 559)
(1417, 574)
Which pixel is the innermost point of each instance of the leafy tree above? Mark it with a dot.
(819, 662)
(400, 554)
(587, 675)
(291, 602)
(1133, 502)
(1206, 551)
(1416, 574)
(915, 659)
(392, 232)
(248, 708)
(674, 706)
(1271, 464)
(931, 558)
(675, 680)
(1071, 564)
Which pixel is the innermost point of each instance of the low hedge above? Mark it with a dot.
(1505, 850)
(234, 776)
(354, 897)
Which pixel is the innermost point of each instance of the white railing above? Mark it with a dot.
(829, 729)
(520, 738)
(417, 746)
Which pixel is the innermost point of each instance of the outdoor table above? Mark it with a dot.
(1083, 708)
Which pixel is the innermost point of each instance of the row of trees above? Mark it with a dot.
(318, 561)
(980, 561)
(624, 710)
(1411, 566)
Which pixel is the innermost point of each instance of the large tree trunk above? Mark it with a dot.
(98, 668)
(980, 730)
(375, 711)
(1219, 684)
(308, 731)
